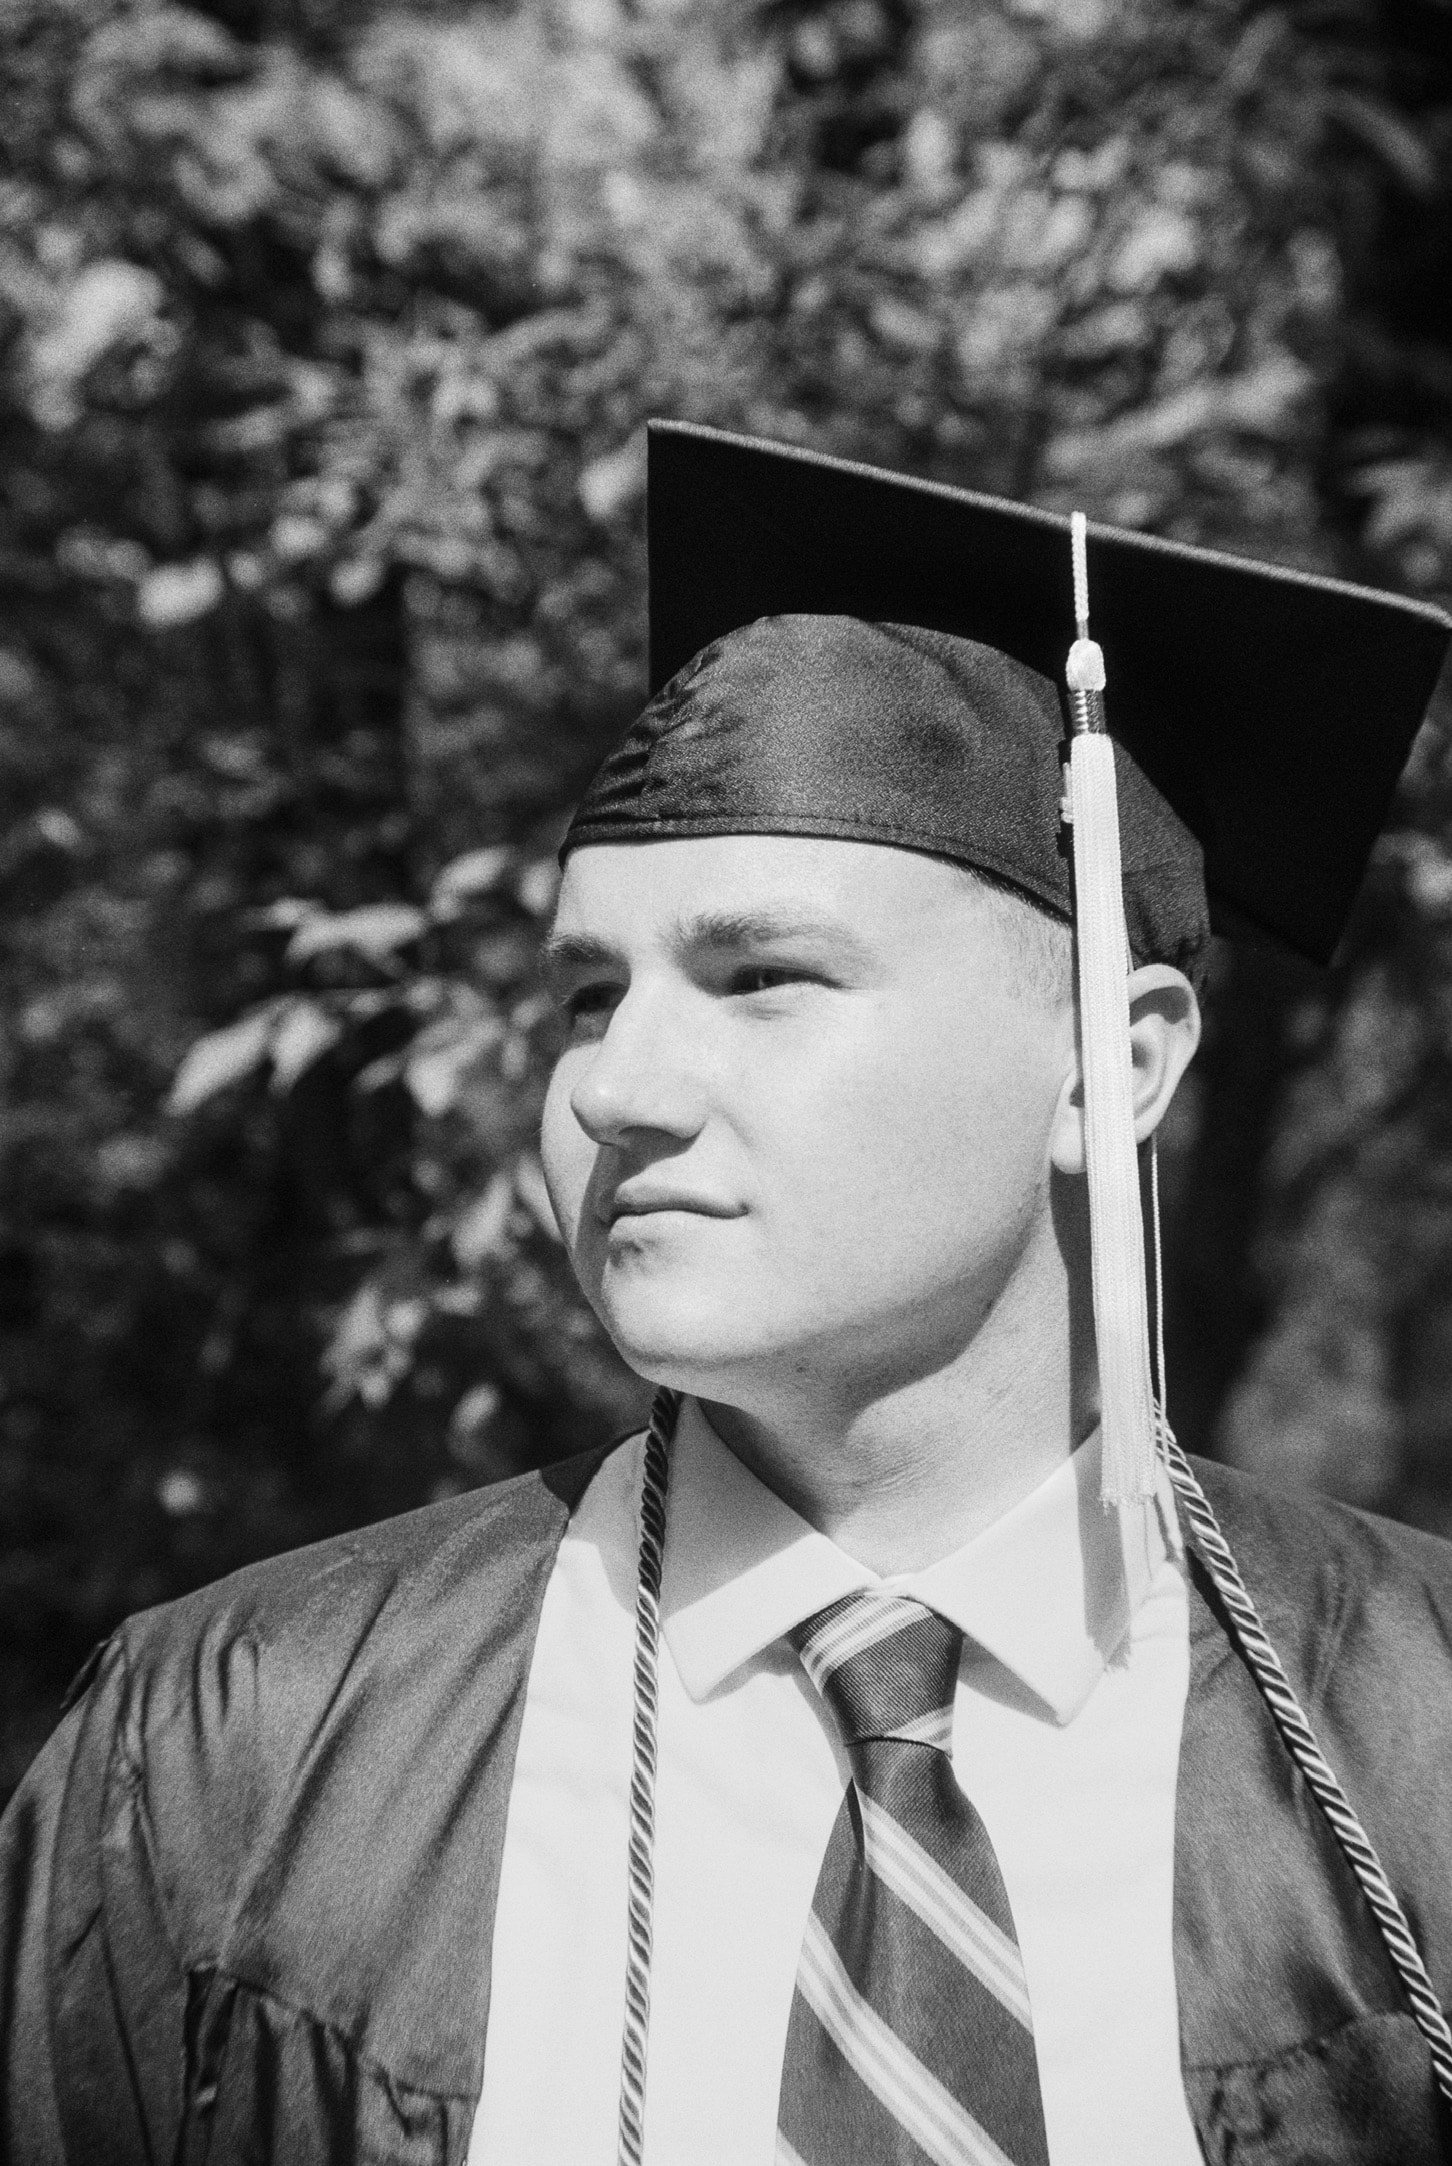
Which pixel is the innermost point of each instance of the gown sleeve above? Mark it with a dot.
(92, 1997)
(29, 2118)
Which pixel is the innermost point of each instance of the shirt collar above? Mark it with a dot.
(1048, 1591)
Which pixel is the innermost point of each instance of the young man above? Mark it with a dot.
(969, 1835)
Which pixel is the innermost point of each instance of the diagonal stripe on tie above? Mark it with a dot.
(968, 1932)
(924, 2107)
(931, 1729)
(940, 2008)
(861, 1624)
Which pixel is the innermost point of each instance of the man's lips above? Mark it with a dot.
(644, 1202)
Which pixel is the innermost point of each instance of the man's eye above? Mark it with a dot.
(763, 978)
(587, 1001)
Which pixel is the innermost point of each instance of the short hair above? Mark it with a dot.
(1040, 944)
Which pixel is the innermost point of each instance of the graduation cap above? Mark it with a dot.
(837, 650)
(1273, 711)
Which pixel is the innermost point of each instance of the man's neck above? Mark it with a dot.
(900, 1477)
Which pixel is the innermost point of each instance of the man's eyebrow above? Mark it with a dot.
(717, 930)
(707, 932)
(575, 951)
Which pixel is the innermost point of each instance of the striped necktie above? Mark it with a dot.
(910, 2035)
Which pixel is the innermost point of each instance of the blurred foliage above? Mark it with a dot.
(328, 334)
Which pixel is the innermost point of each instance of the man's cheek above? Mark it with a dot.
(567, 1156)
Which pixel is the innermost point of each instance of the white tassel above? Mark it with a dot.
(1116, 1223)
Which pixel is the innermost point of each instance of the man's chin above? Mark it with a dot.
(690, 1340)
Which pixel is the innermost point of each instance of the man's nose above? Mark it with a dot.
(642, 1076)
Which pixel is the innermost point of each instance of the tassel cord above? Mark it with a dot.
(1121, 1324)
(1126, 1398)
(636, 2031)
(1207, 1539)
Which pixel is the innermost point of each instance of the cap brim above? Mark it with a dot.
(1272, 709)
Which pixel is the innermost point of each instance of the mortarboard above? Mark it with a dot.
(1273, 711)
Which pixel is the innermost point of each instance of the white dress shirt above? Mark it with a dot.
(1066, 1736)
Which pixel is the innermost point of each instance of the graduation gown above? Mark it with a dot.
(247, 1891)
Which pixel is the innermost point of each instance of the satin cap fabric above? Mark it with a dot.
(887, 733)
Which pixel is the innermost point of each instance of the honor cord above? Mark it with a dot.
(636, 2033)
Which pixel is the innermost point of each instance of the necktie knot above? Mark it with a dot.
(886, 1666)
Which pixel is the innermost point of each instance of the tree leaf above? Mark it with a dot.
(475, 873)
(374, 929)
(480, 1225)
(538, 885)
(304, 1033)
(178, 594)
(609, 485)
(222, 1058)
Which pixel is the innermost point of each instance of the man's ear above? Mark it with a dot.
(1164, 1030)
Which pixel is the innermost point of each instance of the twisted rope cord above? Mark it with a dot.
(1268, 1671)
(636, 2030)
